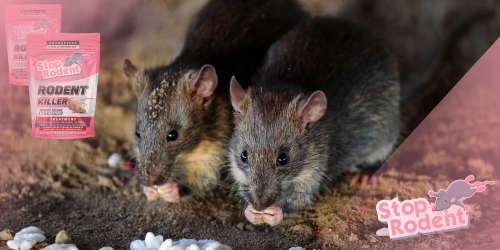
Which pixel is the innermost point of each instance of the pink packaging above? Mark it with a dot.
(62, 73)
(21, 20)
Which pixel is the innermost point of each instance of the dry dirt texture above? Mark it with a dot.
(67, 185)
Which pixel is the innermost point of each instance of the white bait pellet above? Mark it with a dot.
(383, 232)
(14, 244)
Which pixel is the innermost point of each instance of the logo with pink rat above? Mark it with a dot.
(36, 28)
(68, 66)
(41, 24)
(75, 58)
(411, 218)
(457, 192)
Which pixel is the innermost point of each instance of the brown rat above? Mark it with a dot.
(325, 101)
(184, 115)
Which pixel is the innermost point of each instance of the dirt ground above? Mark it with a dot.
(67, 185)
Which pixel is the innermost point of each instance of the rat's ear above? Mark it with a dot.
(441, 192)
(237, 94)
(452, 200)
(312, 108)
(131, 74)
(205, 82)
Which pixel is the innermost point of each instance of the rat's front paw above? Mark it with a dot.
(431, 193)
(151, 193)
(170, 192)
(272, 215)
(466, 208)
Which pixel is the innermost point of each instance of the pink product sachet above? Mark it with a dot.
(62, 73)
(21, 20)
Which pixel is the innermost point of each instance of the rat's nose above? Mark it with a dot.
(261, 197)
(260, 204)
(153, 175)
(433, 210)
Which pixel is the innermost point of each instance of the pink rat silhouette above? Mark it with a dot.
(456, 192)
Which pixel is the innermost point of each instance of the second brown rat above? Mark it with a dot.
(325, 101)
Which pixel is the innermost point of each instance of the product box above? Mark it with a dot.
(21, 20)
(62, 73)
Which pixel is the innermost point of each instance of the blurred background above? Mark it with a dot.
(67, 184)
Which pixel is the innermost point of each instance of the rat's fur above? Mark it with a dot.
(233, 36)
(77, 104)
(360, 125)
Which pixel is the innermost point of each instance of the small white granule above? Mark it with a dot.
(152, 242)
(383, 232)
(56, 246)
(115, 160)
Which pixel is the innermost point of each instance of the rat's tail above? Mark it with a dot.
(86, 54)
(480, 186)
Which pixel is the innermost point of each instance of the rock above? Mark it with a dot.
(302, 229)
(383, 232)
(62, 237)
(250, 227)
(105, 182)
(117, 181)
(353, 237)
(224, 213)
(7, 234)
(106, 248)
(240, 226)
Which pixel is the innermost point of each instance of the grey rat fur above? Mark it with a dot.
(190, 95)
(327, 97)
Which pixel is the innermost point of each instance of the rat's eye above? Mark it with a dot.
(244, 157)
(282, 159)
(172, 136)
(137, 133)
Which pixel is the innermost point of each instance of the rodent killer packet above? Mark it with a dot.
(21, 20)
(62, 73)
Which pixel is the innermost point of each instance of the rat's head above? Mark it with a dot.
(80, 109)
(67, 61)
(168, 118)
(41, 24)
(273, 153)
(443, 201)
